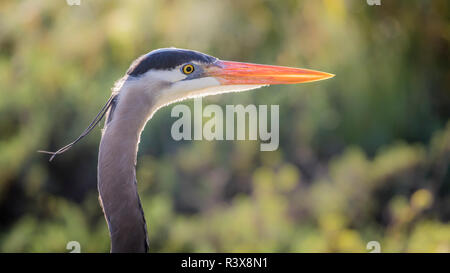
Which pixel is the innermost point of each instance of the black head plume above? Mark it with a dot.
(111, 102)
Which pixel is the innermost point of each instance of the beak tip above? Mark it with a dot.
(321, 76)
(326, 76)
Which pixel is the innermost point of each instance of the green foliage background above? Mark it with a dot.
(363, 156)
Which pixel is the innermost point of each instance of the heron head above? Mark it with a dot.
(182, 74)
(170, 74)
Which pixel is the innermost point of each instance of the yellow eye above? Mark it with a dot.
(188, 69)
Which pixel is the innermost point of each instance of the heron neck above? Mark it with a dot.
(117, 175)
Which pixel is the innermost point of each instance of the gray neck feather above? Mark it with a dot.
(116, 169)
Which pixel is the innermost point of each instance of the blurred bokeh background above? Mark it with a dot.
(363, 156)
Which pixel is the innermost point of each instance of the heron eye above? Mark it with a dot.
(188, 69)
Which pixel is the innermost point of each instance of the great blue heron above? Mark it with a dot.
(156, 79)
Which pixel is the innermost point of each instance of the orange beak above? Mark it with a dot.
(234, 73)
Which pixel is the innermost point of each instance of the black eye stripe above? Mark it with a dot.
(166, 59)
